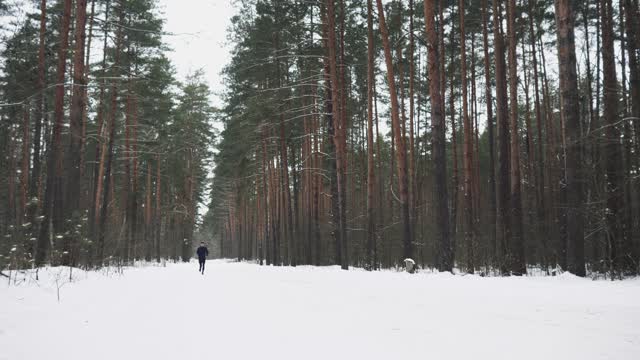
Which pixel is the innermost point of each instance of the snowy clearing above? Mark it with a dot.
(244, 311)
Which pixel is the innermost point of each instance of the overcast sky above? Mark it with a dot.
(199, 29)
(198, 40)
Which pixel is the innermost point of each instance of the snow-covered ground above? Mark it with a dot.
(244, 311)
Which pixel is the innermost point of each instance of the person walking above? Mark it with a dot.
(202, 252)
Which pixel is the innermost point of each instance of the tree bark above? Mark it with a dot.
(469, 228)
(337, 137)
(73, 192)
(444, 259)
(342, 129)
(24, 166)
(611, 149)
(490, 131)
(570, 111)
(401, 153)
(454, 141)
(540, 178)
(631, 13)
(371, 223)
(112, 135)
(35, 175)
(101, 141)
(517, 260)
(412, 147)
(51, 223)
(502, 220)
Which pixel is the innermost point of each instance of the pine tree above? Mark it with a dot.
(574, 176)
(444, 260)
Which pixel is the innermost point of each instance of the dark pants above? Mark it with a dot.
(201, 261)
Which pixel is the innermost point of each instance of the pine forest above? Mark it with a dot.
(495, 137)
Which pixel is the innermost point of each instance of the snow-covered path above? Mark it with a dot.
(243, 311)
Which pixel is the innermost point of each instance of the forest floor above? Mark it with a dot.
(244, 311)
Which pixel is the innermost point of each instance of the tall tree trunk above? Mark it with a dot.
(490, 130)
(552, 167)
(85, 112)
(631, 13)
(306, 190)
(469, 228)
(475, 148)
(529, 182)
(502, 220)
(293, 211)
(52, 199)
(517, 235)
(126, 176)
(158, 210)
(371, 223)
(627, 172)
(596, 153)
(570, 111)
(589, 73)
(633, 47)
(267, 199)
(39, 115)
(342, 128)
(134, 185)
(148, 215)
(112, 135)
(540, 181)
(101, 141)
(623, 62)
(24, 166)
(402, 150)
(73, 155)
(442, 53)
(337, 137)
(12, 177)
(612, 154)
(444, 260)
(317, 187)
(598, 62)
(454, 142)
(412, 147)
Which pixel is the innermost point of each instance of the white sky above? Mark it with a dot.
(199, 29)
(199, 41)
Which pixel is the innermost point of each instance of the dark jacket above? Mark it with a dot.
(202, 252)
